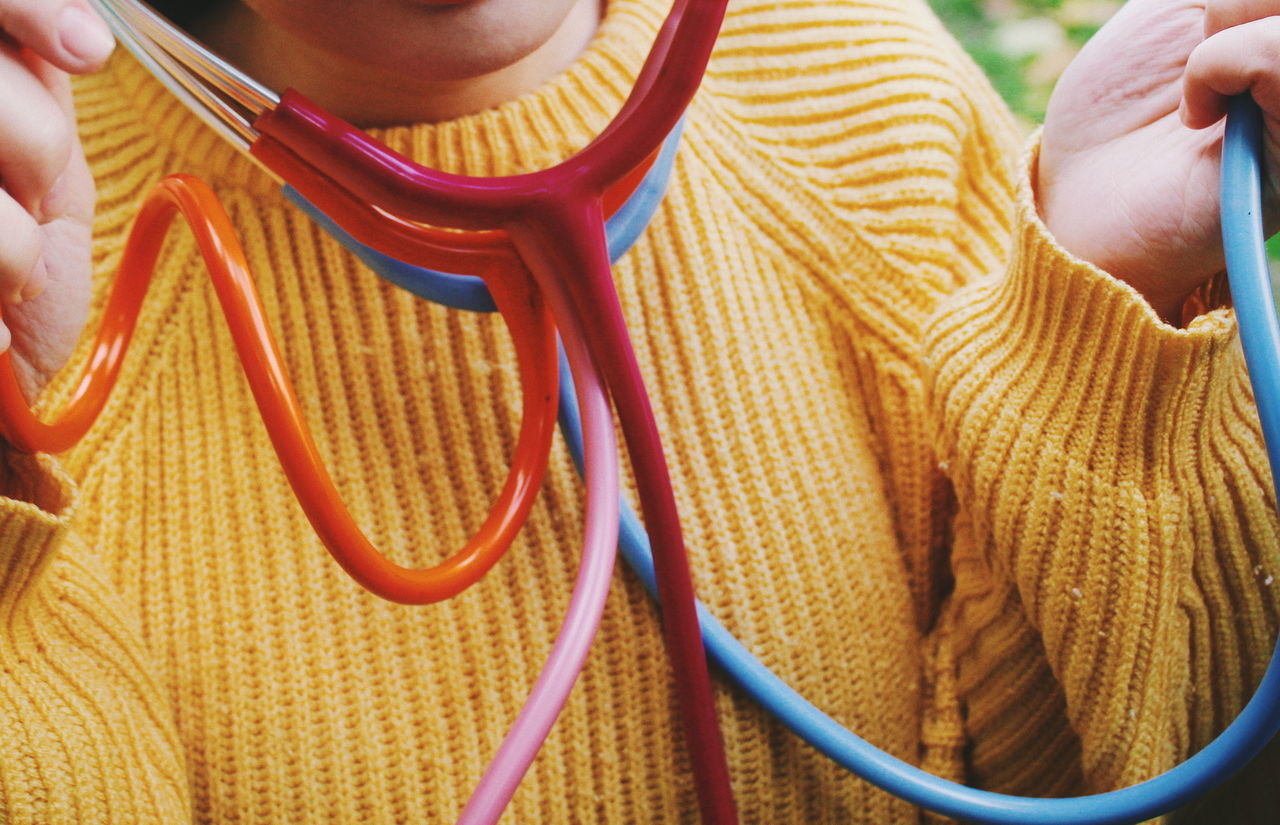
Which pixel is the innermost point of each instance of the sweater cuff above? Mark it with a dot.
(35, 515)
(1058, 354)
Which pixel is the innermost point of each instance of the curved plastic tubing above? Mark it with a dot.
(569, 238)
(419, 244)
(600, 542)
(526, 317)
(1256, 724)
(554, 218)
(375, 174)
(467, 292)
(565, 663)
(1234, 747)
(1243, 241)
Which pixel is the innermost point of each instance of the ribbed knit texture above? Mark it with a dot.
(967, 494)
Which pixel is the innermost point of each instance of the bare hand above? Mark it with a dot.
(46, 191)
(1128, 174)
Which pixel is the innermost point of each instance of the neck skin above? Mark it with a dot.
(371, 96)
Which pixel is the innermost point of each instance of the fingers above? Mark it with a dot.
(1220, 15)
(36, 132)
(46, 193)
(22, 270)
(67, 33)
(1243, 57)
(40, 41)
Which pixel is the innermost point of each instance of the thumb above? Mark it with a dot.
(68, 34)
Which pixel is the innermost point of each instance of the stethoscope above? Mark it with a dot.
(554, 223)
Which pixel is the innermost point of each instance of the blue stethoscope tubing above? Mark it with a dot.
(1243, 240)
(1256, 724)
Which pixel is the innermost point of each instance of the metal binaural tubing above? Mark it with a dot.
(239, 107)
(221, 95)
(222, 75)
(238, 134)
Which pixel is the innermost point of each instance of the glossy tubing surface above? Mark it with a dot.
(465, 292)
(558, 231)
(468, 292)
(1244, 242)
(570, 190)
(1233, 748)
(526, 317)
(1256, 724)
(570, 238)
(569, 653)
(391, 182)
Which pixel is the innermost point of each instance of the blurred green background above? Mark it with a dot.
(1024, 44)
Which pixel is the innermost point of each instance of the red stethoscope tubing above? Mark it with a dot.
(487, 254)
(400, 238)
(518, 299)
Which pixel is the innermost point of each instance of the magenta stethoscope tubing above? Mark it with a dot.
(377, 175)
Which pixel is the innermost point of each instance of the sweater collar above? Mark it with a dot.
(530, 132)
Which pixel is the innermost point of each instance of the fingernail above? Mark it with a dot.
(84, 35)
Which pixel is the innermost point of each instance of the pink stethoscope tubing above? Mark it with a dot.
(600, 543)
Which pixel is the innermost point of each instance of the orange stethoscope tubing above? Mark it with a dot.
(519, 301)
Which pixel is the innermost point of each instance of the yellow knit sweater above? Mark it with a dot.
(964, 492)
